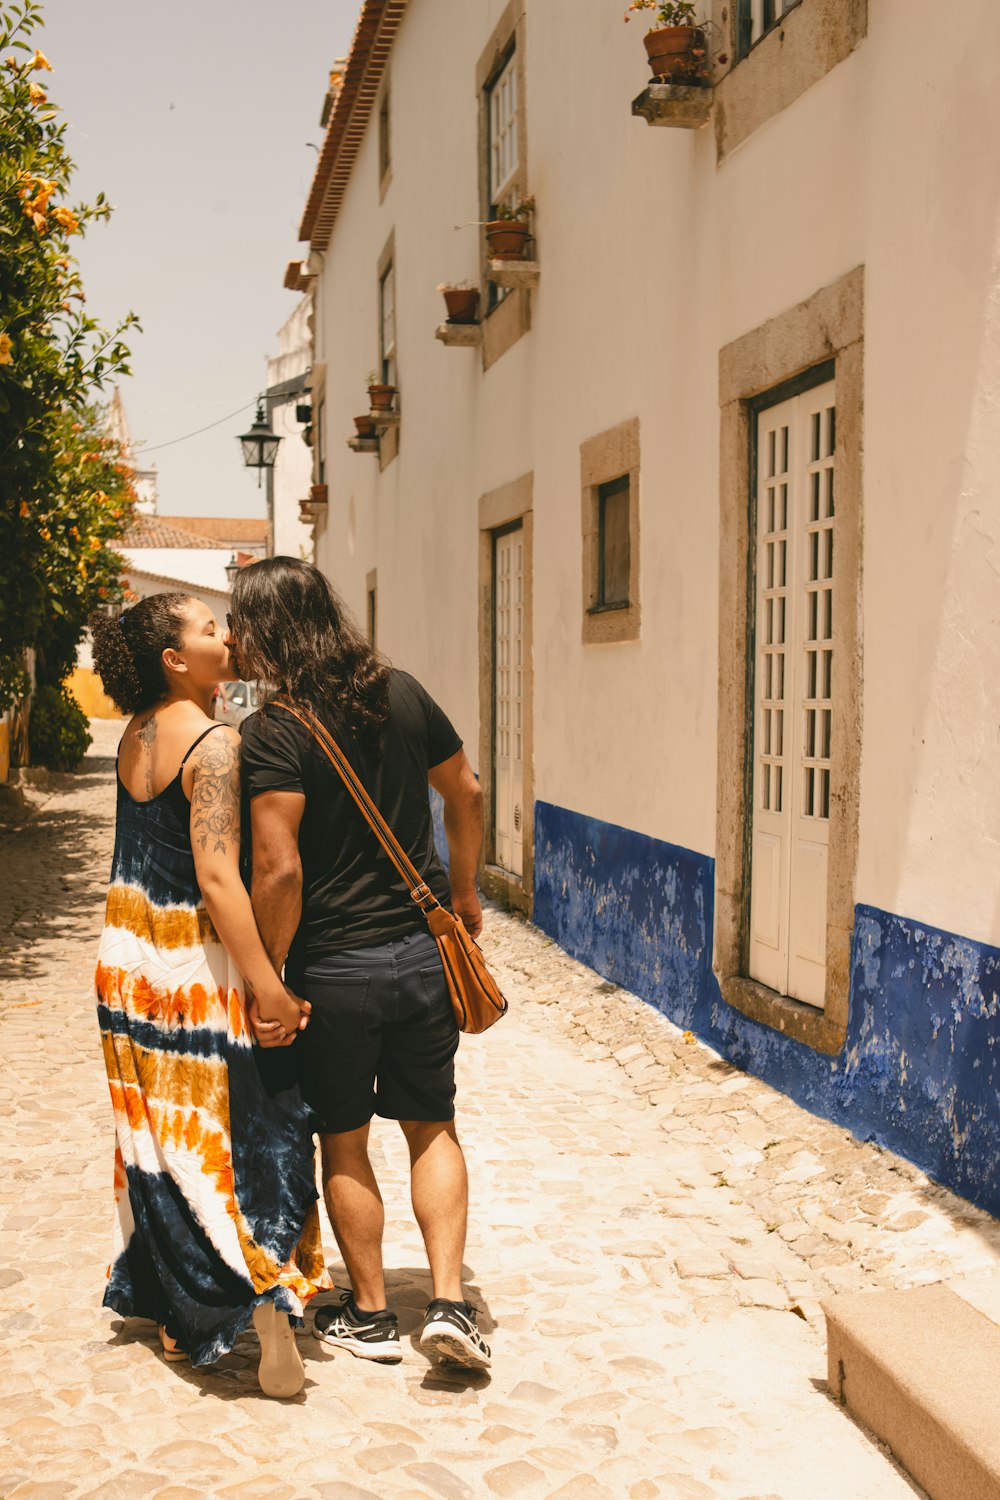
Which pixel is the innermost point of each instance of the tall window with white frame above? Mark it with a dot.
(387, 325)
(508, 698)
(504, 159)
(794, 694)
(755, 18)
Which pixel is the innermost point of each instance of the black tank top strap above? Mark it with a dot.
(195, 743)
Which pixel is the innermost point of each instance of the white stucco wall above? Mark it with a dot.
(653, 258)
(201, 566)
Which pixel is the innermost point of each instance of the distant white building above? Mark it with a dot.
(290, 411)
(192, 551)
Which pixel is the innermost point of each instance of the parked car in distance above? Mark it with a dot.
(235, 700)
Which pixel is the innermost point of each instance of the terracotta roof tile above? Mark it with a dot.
(157, 531)
(225, 531)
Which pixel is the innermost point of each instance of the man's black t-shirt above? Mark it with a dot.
(351, 895)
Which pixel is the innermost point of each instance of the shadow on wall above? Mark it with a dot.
(920, 1070)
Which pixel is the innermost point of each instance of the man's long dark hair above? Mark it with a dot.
(292, 630)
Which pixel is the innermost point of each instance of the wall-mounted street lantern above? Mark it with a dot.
(231, 569)
(260, 444)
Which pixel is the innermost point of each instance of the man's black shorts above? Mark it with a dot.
(381, 1038)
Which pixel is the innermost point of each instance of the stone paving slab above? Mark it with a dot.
(637, 1289)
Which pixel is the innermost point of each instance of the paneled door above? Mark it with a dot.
(508, 699)
(793, 694)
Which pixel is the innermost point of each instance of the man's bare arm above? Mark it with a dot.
(276, 887)
(463, 823)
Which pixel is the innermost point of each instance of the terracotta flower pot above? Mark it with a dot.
(365, 426)
(462, 304)
(671, 52)
(507, 239)
(381, 396)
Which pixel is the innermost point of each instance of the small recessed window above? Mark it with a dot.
(613, 545)
(387, 324)
(372, 615)
(384, 139)
(319, 441)
(755, 18)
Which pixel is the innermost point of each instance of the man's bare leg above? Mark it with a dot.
(357, 1216)
(439, 1189)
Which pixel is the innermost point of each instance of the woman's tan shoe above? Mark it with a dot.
(172, 1351)
(281, 1373)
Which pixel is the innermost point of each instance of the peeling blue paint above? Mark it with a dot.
(437, 819)
(920, 1069)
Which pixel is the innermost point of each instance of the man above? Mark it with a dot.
(381, 1037)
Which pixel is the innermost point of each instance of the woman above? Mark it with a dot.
(216, 1202)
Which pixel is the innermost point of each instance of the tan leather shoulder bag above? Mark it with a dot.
(475, 995)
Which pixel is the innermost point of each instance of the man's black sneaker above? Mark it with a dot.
(450, 1334)
(368, 1337)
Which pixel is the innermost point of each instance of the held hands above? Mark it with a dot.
(276, 1018)
(465, 905)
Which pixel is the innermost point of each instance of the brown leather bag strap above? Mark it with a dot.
(419, 891)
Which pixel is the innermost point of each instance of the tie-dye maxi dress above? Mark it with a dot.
(214, 1186)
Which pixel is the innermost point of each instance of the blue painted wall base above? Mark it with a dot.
(920, 1071)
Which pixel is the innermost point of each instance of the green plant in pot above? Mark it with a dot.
(461, 298)
(676, 45)
(507, 235)
(380, 395)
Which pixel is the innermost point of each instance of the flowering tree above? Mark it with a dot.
(65, 492)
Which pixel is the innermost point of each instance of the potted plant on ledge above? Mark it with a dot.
(676, 45)
(380, 395)
(462, 301)
(507, 235)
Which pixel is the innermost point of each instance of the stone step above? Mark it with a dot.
(921, 1369)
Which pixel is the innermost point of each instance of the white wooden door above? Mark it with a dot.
(793, 708)
(508, 717)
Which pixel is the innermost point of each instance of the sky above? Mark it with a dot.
(195, 120)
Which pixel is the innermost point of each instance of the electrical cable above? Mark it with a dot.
(144, 448)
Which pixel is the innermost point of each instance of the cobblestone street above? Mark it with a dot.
(651, 1233)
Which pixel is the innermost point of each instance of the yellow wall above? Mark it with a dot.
(86, 688)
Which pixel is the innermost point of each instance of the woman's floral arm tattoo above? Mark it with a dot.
(215, 795)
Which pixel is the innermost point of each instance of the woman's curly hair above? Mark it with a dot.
(291, 630)
(129, 647)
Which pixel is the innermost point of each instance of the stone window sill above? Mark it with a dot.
(460, 335)
(515, 274)
(677, 105)
(803, 1023)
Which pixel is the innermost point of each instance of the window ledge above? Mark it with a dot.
(384, 420)
(363, 445)
(606, 609)
(460, 335)
(803, 1023)
(678, 105)
(513, 273)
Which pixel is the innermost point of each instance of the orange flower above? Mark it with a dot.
(74, 532)
(6, 345)
(37, 94)
(25, 510)
(101, 497)
(40, 222)
(67, 219)
(95, 544)
(45, 534)
(12, 63)
(40, 61)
